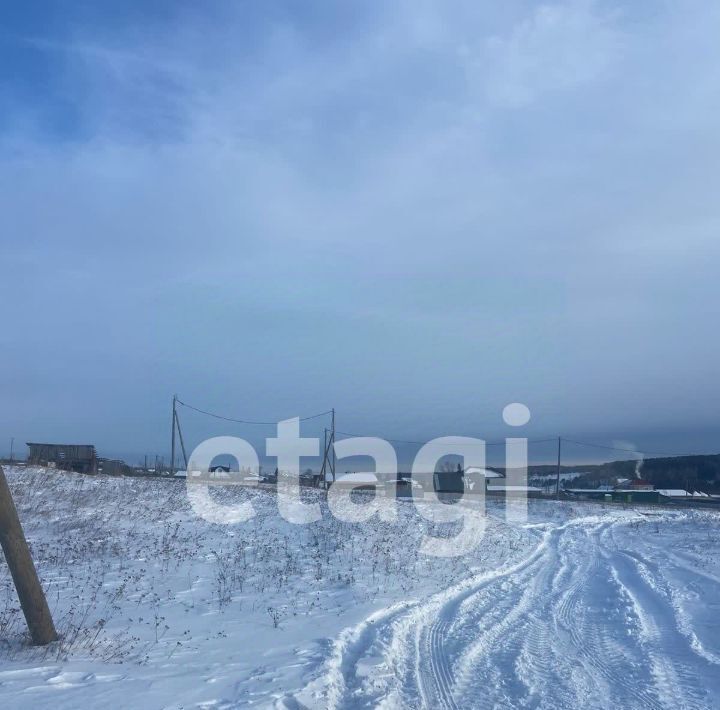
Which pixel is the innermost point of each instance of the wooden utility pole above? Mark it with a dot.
(557, 484)
(324, 468)
(180, 436)
(22, 569)
(332, 439)
(172, 446)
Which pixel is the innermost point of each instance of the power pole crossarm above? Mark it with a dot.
(17, 553)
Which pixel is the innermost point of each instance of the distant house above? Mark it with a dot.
(473, 479)
(219, 469)
(449, 481)
(81, 458)
(480, 479)
(636, 484)
(636, 490)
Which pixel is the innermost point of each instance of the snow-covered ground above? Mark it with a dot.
(583, 606)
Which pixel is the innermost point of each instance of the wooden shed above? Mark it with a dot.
(68, 457)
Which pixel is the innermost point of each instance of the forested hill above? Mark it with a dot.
(701, 472)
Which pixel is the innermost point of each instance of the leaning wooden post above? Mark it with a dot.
(27, 584)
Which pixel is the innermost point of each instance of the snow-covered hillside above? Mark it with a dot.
(584, 606)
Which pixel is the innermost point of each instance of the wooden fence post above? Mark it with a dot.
(22, 568)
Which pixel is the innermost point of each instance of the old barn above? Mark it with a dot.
(81, 458)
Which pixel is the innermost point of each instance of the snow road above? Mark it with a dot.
(586, 620)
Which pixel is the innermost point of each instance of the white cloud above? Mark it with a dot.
(559, 47)
(514, 177)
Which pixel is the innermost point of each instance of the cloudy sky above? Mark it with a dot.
(413, 211)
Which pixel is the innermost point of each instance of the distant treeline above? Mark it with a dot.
(701, 472)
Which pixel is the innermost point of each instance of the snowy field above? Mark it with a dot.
(584, 606)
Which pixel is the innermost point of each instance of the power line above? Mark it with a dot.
(248, 421)
(626, 450)
(422, 443)
(539, 441)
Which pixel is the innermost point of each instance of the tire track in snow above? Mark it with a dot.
(602, 647)
(441, 674)
(339, 679)
(526, 638)
(572, 575)
(655, 578)
(497, 650)
(553, 630)
(540, 648)
(460, 607)
(405, 625)
(674, 663)
(683, 678)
